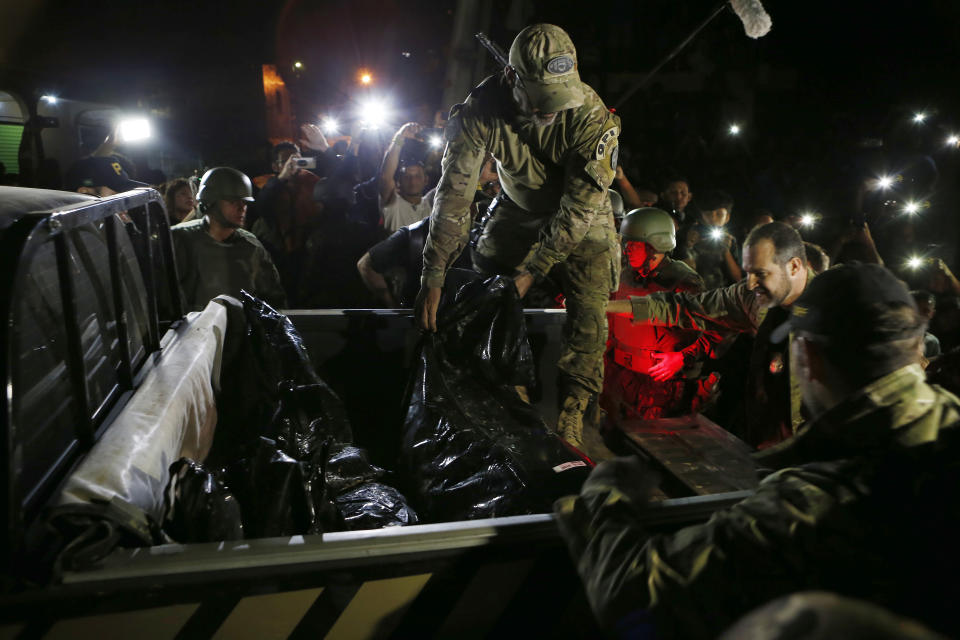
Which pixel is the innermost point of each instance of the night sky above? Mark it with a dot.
(854, 54)
(859, 68)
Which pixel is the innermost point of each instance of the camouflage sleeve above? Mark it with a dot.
(589, 171)
(697, 581)
(732, 308)
(450, 221)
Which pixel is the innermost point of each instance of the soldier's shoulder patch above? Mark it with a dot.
(602, 167)
(606, 144)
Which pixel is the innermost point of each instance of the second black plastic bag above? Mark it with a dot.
(472, 448)
(282, 460)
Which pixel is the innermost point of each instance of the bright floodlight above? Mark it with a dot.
(49, 99)
(915, 262)
(919, 117)
(808, 220)
(884, 182)
(373, 114)
(716, 233)
(365, 77)
(329, 125)
(953, 140)
(134, 129)
(298, 65)
(435, 142)
(911, 207)
(734, 129)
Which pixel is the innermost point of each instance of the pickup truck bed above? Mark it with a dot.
(91, 308)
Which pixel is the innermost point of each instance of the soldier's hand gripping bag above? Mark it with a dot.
(472, 448)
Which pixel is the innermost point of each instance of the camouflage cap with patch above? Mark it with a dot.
(546, 60)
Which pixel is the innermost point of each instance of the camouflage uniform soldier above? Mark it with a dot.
(865, 502)
(555, 144)
(642, 361)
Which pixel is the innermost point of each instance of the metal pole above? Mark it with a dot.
(670, 56)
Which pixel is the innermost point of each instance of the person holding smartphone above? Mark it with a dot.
(286, 213)
(402, 201)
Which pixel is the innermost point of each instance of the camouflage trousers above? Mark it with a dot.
(587, 277)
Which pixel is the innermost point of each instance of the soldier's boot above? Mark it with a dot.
(570, 422)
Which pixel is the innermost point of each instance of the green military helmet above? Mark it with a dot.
(616, 201)
(651, 225)
(224, 183)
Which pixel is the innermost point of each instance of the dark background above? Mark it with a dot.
(823, 99)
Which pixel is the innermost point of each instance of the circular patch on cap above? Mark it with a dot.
(560, 64)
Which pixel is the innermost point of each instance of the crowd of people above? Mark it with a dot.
(820, 369)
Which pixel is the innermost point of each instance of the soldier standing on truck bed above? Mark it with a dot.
(555, 145)
(214, 255)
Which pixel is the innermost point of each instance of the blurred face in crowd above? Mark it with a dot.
(773, 284)
(412, 180)
(677, 195)
(927, 307)
(183, 202)
(717, 217)
(642, 257)
(234, 211)
(281, 159)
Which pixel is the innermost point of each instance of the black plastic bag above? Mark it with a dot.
(308, 416)
(472, 447)
(277, 347)
(200, 508)
(374, 506)
(347, 467)
(280, 496)
(284, 438)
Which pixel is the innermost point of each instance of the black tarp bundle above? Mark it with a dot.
(472, 448)
(282, 461)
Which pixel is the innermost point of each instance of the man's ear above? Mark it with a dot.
(796, 266)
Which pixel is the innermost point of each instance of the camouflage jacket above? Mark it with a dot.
(561, 171)
(870, 509)
(773, 399)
